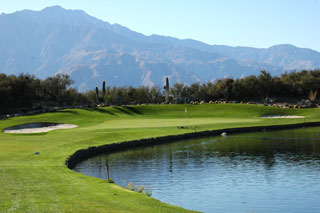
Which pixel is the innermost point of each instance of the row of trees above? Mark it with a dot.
(127, 95)
(293, 85)
(296, 85)
(22, 92)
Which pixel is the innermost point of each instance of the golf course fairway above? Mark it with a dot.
(34, 177)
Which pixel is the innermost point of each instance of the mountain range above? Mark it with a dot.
(55, 40)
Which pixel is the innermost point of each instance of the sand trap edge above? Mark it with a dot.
(37, 127)
(282, 116)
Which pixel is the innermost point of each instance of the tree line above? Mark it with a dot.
(24, 91)
(293, 85)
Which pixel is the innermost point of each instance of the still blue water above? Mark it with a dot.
(275, 171)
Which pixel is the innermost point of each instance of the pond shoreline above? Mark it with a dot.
(84, 154)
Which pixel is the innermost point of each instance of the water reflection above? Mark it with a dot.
(276, 171)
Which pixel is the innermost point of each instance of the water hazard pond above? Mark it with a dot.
(273, 171)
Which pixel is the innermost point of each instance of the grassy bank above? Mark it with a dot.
(42, 183)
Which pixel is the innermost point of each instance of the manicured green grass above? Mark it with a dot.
(42, 183)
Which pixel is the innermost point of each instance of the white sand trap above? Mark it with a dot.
(37, 127)
(282, 116)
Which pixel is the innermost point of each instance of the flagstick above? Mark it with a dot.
(186, 111)
(107, 171)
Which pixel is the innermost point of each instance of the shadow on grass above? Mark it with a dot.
(100, 110)
(133, 110)
(123, 111)
(28, 134)
(68, 111)
(128, 110)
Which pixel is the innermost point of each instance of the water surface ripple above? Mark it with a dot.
(276, 171)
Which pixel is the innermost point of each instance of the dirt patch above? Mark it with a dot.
(37, 127)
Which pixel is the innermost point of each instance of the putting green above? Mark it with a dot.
(41, 182)
(166, 122)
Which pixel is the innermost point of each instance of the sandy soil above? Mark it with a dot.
(281, 116)
(37, 127)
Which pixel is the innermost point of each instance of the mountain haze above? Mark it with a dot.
(56, 40)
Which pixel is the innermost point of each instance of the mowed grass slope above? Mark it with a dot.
(42, 183)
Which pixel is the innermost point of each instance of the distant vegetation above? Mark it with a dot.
(296, 85)
(24, 92)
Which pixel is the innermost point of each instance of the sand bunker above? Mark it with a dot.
(282, 116)
(37, 127)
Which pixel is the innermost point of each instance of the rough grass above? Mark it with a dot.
(42, 183)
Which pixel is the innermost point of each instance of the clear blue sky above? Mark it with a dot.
(255, 23)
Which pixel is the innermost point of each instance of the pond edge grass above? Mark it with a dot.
(84, 154)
